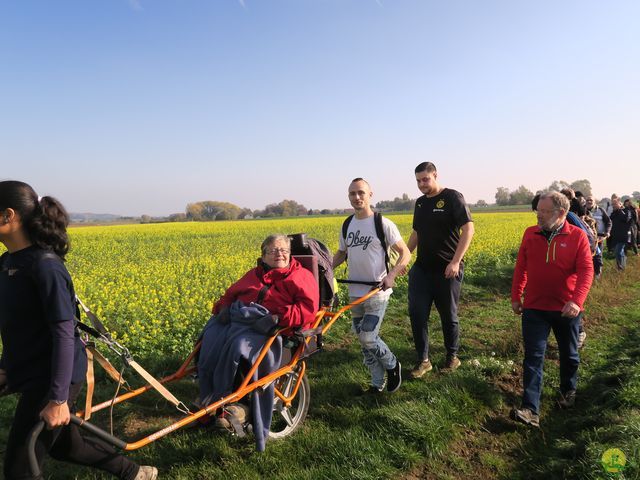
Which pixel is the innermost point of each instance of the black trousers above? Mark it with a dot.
(427, 288)
(634, 238)
(63, 443)
(597, 264)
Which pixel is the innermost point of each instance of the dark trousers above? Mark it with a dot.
(633, 244)
(597, 264)
(63, 443)
(610, 245)
(621, 256)
(536, 326)
(426, 288)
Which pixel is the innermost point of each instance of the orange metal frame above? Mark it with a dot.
(247, 386)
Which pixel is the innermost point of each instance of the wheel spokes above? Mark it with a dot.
(286, 415)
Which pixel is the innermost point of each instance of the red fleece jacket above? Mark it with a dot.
(552, 273)
(293, 293)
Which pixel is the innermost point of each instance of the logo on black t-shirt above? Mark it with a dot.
(355, 240)
(439, 206)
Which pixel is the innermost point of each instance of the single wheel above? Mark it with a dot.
(287, 420)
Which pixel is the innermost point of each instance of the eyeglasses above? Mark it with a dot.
(275, 251)
(546, 212)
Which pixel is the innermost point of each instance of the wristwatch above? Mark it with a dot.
(58, 402)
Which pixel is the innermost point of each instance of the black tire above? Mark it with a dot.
(287, 420)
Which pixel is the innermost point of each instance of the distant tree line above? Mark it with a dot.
(213, 210)
(210, 210)
(398, 204)
(523, 196)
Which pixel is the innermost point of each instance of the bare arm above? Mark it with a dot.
(413, 241)
(339, 257)
(400, 267)
(466, 235)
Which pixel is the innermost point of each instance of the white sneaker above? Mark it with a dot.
(581, 338)
(147, 473)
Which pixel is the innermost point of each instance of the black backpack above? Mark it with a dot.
(302, 245)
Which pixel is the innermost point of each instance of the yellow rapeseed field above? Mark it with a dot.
(153, 285)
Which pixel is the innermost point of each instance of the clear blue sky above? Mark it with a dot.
(141, 106)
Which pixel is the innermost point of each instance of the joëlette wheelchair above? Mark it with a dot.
(292, 391)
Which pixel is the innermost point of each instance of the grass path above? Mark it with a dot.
(569, 444)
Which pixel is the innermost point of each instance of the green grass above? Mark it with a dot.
(443, 426)
(569, 444)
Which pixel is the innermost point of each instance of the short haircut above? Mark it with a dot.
(426, 167)
(559, 200)
(360, 179)
(271, 239)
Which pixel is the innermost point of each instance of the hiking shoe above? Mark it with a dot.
(421, 368)
(147, 473)
(394, 378)
(567, 400)
(581, 338)
(526, 416)
(373, 390)
(233, 413)
(451, 364)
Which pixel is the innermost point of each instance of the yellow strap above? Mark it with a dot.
(90, 385)
(159, 387)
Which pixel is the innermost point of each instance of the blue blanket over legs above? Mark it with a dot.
(224, 347)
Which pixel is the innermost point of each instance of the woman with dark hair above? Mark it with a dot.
(43, 358)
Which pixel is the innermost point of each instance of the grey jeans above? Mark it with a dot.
(367, 319)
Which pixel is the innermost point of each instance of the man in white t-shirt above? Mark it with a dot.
(367, 261)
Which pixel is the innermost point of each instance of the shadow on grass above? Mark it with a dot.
(492, 281)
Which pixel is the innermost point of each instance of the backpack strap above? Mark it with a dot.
(345, 226)
(377, 220)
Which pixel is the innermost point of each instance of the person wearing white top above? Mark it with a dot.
(366, 261)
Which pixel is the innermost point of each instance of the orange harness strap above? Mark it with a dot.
(90, 385)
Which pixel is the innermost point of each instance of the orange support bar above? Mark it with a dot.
(247, 385)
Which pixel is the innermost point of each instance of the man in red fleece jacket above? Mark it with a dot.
(554, 271)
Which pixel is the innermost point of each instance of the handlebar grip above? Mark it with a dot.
(89, 427)
(31, 449)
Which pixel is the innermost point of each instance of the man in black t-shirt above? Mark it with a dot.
(442, 232)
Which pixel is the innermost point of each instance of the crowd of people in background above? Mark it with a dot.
(612, 225)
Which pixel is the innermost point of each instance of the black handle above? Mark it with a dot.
(89, 427)
(358, 282)
(98, 432)
(31, 449)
